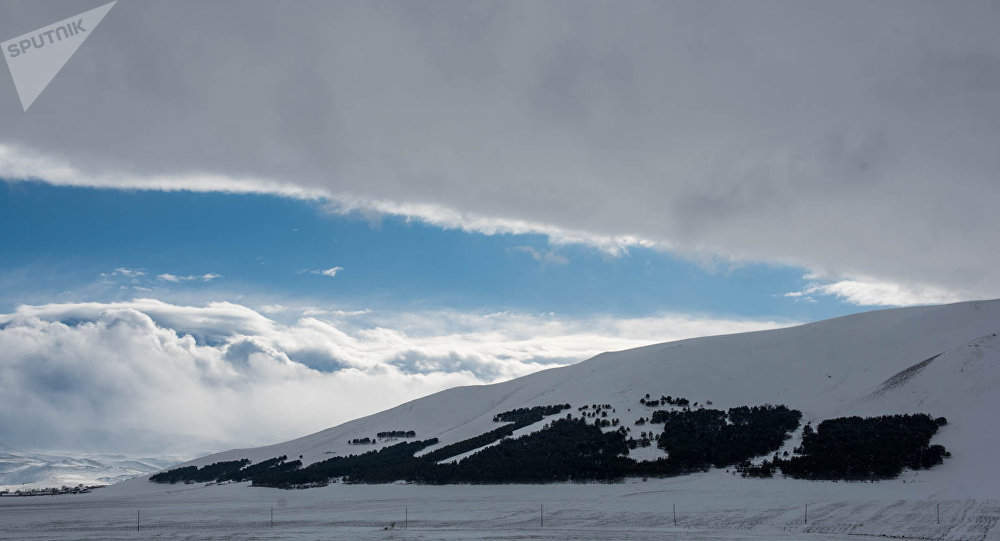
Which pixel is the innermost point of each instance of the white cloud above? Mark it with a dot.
(18, 163)
(875, 293)
(126, 272)
(331, 272)
(89, 373)
(547, 257)
(208, 277)
(449, 218)
(274, 308)
(802, 296)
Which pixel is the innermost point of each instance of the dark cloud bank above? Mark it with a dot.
(856, 139)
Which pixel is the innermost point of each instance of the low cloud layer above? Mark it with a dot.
(876, 293)
(853, 139)
(147, 376)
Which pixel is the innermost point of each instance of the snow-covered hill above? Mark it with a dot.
(30, 470)
(941, 360)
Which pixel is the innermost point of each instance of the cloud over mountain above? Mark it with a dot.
(85, 374)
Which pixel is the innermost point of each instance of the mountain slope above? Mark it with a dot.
(864, 364)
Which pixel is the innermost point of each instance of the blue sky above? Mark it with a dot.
(268, 249)
(123, 309)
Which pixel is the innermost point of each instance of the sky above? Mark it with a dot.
(233, 223)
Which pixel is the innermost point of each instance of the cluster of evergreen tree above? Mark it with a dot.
(644, 440)
(527, 416)
(568, 449)
(595, 406)
(765, 469)
(211, 472)
(385, 465)
(397, 461)
(519, 418)
(665, 400)
(596, 410)
(397, 434)
(698, 439)
(856, 448)
(475, 442)
(565, 449)
(362, 441)
(269, 466)
(234, 470)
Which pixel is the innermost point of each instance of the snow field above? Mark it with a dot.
(713, 505)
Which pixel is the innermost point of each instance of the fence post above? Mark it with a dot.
(272, 517)
(805, 519)
(939, 513)
(137, 520)
(406, 517)
(675, 513)
(541, 514)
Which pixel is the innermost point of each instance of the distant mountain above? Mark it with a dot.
(939, 360)
(22, 469)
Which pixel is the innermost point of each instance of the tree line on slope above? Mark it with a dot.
(518, 418)
(856, 448)
(387, 435)
(397, 434)
(204, 474)
(277, 472)
(567, 449)
(666, 401)
(698, 439)
(571, 449)
(527, 416)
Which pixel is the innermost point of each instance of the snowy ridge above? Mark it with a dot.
(941, 360)
(26, 470)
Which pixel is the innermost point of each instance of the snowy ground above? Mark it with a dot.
(714, 505)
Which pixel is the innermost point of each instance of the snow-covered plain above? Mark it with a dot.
(714, 505)
(941, 360)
